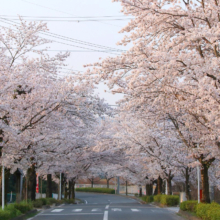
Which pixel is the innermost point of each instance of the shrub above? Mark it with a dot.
(97, 190)
(147, 199)
(37, 203)
(50, 201)
(208, 211)
(23, 207)
(5, 215)
(9, 212)
(169, 200)
(12, 210)
(201, 210)
(191, 205)
(44, 200)
(183, 206)
(213, 213)
(157, 198)
(144, 198)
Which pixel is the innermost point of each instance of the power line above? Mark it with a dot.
(62, 11)
(82, 42)
(67, 17)
(72, 40)
(76, 20)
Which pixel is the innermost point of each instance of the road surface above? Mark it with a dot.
(106, 207)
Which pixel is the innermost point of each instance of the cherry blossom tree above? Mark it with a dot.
(171, 71)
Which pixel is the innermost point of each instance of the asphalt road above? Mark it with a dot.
(106, 207)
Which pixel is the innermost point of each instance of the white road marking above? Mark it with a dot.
(77, 210)
(85, 201)
(71, 214)
(96, 210)
(116, 210)
(135, 210)
(107, 207)
(57, 210)
(105, 215)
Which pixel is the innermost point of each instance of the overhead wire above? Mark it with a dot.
(8, 21)
(72, 20)
(62, 11)
(106, 16)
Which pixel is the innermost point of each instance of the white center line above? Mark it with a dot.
(105, 215)
(107, 207)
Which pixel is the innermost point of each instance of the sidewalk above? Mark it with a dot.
(173, 209)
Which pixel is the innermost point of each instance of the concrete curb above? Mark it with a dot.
(188, 215)
(23, 217)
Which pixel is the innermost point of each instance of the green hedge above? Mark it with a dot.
(202, 210)
(23, 207)
(147, 199)
(157, 198)
(168, 200)
(9, 212)
(97, 190)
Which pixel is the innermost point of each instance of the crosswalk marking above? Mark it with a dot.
(135, 210)
(77, 210)
(116, 210)
(100, 210)
(57, 210)
(96, 210)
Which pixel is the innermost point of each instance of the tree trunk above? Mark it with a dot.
(31, 186)
(159, 185)
(66, 191)
(205, 183)
(169, 184)
(49, 186)
(70, 189)
(108, 183)
(92, 183)
(149, 189)
(126, 187)
(140, 191)
(73, 190)
(17, 185)
(187, 191)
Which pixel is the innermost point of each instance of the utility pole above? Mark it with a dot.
(60, 186)
(198, 176)
(166, 188)
(118, 185)
(3, 187)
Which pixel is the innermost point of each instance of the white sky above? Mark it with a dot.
(97, 32)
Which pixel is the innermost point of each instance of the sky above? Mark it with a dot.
(87, 21)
